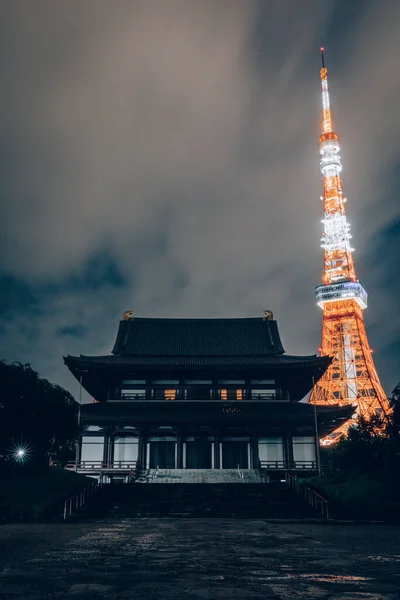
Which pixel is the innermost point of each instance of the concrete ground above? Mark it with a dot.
(199, 559)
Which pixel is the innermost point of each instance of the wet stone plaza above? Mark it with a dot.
(199, 559)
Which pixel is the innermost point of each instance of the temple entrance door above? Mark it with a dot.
(198, 454)
(162, 454)
(234, 454)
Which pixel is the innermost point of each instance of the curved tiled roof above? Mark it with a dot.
(110, 360)
(198, 337)
(185, 345)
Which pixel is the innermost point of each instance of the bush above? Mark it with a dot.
(34, 494)
(35, 414)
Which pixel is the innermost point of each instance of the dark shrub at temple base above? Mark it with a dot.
(363, 469)
(38, 420)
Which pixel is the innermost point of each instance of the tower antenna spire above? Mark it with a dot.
(351, 378)
(326, 105)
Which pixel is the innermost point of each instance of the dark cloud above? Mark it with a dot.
(77, 330)
(162, 155)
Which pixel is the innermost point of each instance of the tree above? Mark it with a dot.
(371, 445)
(396, 393)
(36, 415)
(364, 446)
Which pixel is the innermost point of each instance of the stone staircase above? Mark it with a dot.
(212, 500)
(205, 476)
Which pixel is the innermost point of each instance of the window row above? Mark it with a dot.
(140, 382)
(201, 393)
(233, 450)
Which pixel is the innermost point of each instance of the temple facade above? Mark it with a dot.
(200, 394)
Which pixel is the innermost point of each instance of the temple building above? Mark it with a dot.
(200, 394)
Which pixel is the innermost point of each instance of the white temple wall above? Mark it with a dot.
(304, 449)
(126, 449)
(92, 449)
(270, 449)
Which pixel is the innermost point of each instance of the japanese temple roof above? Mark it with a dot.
(145, 414)
(176, 345)
(198, 337)
(197, 343)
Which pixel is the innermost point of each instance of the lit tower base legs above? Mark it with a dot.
(351, 378)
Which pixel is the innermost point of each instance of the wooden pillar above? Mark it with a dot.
(179, 451)
(111, 445)
(142, 451)
(317, 455)
(254, 452)
(145, 445)
(217, 445)
(106, 448)
(78, 453)
(288, 451)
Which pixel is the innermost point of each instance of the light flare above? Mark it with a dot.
(21, 452)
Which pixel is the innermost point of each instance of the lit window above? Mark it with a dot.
(239, 394)
(223, 394)
(170, 394)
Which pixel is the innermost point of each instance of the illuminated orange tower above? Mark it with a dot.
(351, 377)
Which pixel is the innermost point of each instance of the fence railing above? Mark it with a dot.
(288, 466)
(124, 465)
(98, 465)
(309, 495)
(75, 502)
(200, 397)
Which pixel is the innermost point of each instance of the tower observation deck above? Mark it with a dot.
(352, 377)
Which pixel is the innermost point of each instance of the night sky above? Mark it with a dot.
(162, 155)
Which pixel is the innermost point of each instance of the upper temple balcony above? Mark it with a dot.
(181, 394)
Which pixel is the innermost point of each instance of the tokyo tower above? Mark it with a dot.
(351, 378)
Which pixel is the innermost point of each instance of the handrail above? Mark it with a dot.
(93, 465)
(75, 502)
(309, 495)
(282, 464)
(203, 397)
(98, 465)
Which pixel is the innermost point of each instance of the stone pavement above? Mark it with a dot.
(200, 559)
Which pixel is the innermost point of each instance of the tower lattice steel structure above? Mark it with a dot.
(351, 377)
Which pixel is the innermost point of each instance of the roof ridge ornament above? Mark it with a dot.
(128, 315)
(268, 315)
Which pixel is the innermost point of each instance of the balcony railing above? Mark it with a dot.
(247, 397)
(95, 466)
(284, 465)
(99, 465)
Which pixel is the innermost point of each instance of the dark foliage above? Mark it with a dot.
(371, 445)
(396, 397)
(36, 415)
(362, 481)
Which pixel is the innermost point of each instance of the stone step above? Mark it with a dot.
(202, 476)
(199, 500)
